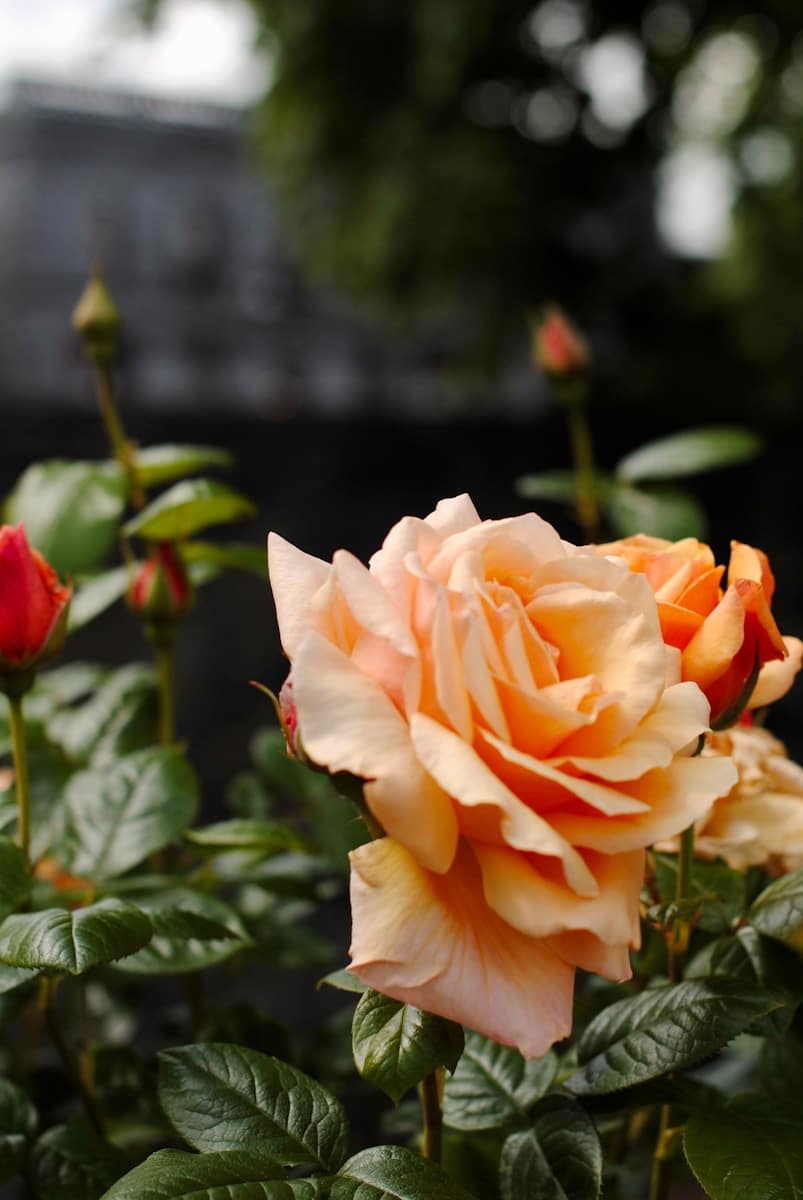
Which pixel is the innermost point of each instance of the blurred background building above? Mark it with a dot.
(164, 195)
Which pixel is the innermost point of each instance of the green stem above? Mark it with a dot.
(433, 1117)
(573, 397)
(119, 443)
(679, 934)
(660, 1175)
(678, 941)
(164, 673)
(49, 987)
(21, 778)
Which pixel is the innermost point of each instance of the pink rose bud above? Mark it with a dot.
(33, 605)
(288, 715)
(161, 591)
(558, 348)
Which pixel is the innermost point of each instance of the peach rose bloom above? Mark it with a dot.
(523, 734)
(720, 634)
(760, 821)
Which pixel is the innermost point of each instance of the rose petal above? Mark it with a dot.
(713, 648)
(777, 676)
(295, 577)
(677, 796)
(540, 907)
(347, 723)
(545, 787)
(586, 951)
(432, 941)
(680, 716)
(454, 515)
(466, 778)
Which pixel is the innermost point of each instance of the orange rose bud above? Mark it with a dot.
(161, 591)
(724, 637)
(558, 349)
(33, 606)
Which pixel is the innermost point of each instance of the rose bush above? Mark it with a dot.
(33, 604)
(722, 635)
(523, 733)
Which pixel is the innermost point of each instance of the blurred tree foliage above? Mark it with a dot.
(461, 162)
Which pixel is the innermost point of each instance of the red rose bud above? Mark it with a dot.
(161, 591)
(33, 606)
(558, 348)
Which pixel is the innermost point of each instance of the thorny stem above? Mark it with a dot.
(433, 1116)
(22, 783)
(80, 1079)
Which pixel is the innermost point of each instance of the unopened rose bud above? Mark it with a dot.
(97, 322)
(558, 348)
(33, 610)
(288, 715)
(161, 592)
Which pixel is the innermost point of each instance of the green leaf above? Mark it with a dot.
(118, 718)
(663, 1029)
(755, 959)
(344, 981)
(493, 1086)
(718, 889)
(18, 1122)
(245, 833)
(118, 816)
(778, 911)
(188, 507)
(393, 1173)
(66, 684)
(559, 1158)
(72, 942)
(70, 1162)
(71, 511)
(48, 777)
(690, 453)
(236, 556)
(222, 1097)
(157, 465)
(191, 931)
(232, 1175)
(15, 877)
(396, 1046)
(556, 485)
(97, 594)
(667, 512)
(472, 1161)
(14, 977)
(747, 1152)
